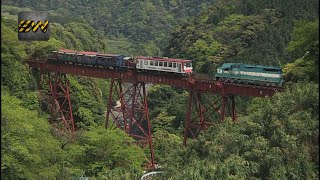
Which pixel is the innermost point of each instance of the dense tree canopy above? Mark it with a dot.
(274, 138)
(240, 31)
(305, 47)
(278, 140)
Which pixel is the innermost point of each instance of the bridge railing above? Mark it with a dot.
(153, 173)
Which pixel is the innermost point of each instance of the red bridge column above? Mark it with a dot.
(128, 110)
(60, 107)
(204, 110)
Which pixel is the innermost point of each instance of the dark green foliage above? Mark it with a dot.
(28, 150)
(305, 47)
(167, 147)
(278, 140)
(100, 150)
(167, 108)
(143, 22)
(275, 138)
(255, 32)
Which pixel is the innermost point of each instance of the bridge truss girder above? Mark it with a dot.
(204, 110)
(127, 110)
(54, 87)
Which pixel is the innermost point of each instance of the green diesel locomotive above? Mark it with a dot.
(250, 74)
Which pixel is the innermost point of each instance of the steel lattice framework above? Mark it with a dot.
(57, 89)
(128, 110)
(209, 101)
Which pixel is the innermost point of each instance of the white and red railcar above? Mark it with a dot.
(181, 66)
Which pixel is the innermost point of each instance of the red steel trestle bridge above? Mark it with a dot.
(127, 107)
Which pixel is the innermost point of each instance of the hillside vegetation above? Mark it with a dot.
(274, 138)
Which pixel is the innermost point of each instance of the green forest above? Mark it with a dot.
(273, 138)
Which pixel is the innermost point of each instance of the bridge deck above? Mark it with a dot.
(130, 76)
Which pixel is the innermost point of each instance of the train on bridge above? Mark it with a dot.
(228, 73)
(122, 62)
(250, 74)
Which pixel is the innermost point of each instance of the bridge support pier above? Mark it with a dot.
(58, 94)
(128, 110)
(204, 111)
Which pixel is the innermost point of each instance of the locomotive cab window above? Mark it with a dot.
(271, 70)
(235, 66)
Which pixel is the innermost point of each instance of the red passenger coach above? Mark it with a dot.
(180, 66)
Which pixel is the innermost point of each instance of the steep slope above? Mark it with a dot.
(241, 31)
(146, 23)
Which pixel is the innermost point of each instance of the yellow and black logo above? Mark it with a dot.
(27, 25)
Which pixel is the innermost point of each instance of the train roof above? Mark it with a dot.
(87, 53)
(226, 65)
(66, 51)
(163, 59)
(112, 55)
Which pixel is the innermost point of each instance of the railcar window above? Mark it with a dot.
(151, 63)
(145, 62)
(160, 63)
(156, 63)
(165, 64)
(170, 64)
(174, 65)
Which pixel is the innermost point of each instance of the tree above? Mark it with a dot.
(28, 150)
(305, 47)
(277, 140)
(100, 150)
